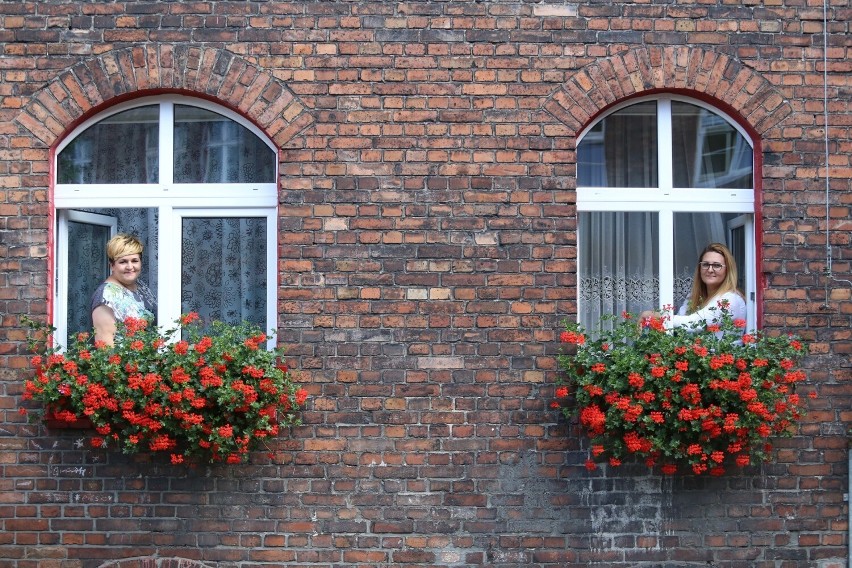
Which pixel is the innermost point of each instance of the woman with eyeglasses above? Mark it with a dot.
(714, 286)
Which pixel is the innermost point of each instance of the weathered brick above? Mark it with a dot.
(427, 258)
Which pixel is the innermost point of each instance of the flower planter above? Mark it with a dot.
(205, 394)
(696, 401)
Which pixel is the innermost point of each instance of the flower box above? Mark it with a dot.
(198, 393)
(694, 400)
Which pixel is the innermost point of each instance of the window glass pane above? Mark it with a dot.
(120, 149)
(210, 148)
(619, 264)
(707, 151)
(737, 244)
(223, 269)
(87, 268)
(621, 150)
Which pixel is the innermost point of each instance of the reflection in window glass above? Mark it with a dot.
(210, 148)
(619, 264)
(621, 149)
(737, 246)
(707, 151)
(223, 269)
(122, 148)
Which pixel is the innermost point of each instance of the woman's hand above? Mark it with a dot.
(648, 314)
(104, 321)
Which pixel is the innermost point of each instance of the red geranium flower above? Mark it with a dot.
(213, 395)
(688, 401)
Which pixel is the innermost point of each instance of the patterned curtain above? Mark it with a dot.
(224, 269)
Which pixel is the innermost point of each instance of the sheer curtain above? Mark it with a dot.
(630, 147)
(619, 264)
(619, 251)
(621, 150)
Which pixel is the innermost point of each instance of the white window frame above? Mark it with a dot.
(171, 237)
(173, 201)
(666, 200)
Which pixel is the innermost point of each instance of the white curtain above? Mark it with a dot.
(619, 264)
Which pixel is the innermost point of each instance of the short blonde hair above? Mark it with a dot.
(123, 245)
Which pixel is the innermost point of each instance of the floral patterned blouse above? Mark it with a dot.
(126, 303)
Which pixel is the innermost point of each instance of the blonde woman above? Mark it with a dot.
(714, 285)
(122, 294)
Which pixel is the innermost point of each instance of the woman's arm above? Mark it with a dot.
(104, 322)
(711, 313)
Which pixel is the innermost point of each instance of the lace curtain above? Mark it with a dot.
(619, 264)
(223, 274)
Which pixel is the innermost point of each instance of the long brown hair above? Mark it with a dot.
(698, 296)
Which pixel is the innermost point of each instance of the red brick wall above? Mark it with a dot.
(427, 260)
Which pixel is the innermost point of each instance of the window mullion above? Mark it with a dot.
(666, 181)
(664, 145)
(272, 274)
(60, 306)
(166, 161)
(666, 244)
(168, 268)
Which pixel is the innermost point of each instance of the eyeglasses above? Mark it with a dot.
(715, 266)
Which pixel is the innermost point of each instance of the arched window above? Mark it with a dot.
(196, 183)
(658, 179)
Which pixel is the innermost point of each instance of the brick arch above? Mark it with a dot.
(652, 69)
(208, 72)
(154, 562)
